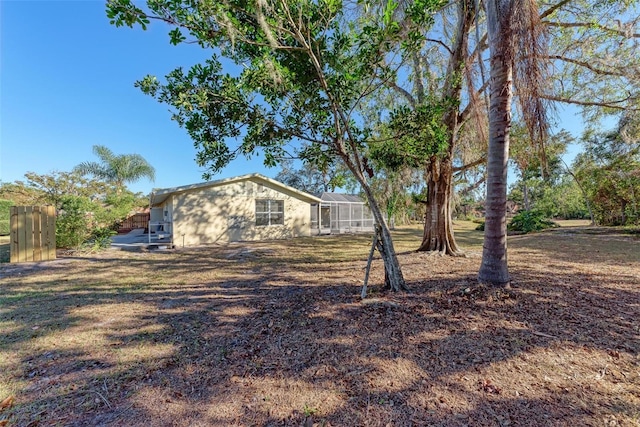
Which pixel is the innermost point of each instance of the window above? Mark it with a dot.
(269, 212)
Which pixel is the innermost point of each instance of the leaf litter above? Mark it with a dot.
(275, 334)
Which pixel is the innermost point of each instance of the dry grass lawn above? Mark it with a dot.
(274, 333)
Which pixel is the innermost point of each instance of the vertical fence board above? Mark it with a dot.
(28, 232)
(37, 234)
(13, 246)
(50, 239)
(22, 234)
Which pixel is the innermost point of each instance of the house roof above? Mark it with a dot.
(341, 198)
(159, 195)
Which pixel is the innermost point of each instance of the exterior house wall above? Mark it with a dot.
(167, 214)
(155, 214)
(227, 213)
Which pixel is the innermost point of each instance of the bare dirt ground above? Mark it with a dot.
(274, 333)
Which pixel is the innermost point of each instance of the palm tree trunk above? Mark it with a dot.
(493, 269)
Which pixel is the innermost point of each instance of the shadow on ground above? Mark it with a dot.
(242, 336)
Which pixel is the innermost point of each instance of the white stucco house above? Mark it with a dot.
(243, 208)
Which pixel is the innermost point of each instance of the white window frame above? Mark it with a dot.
(271, 212)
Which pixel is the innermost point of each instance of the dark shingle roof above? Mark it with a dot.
(341, 198)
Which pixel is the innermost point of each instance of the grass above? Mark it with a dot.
(573, 222)
(274, 333)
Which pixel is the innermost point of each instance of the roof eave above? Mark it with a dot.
(158, 194)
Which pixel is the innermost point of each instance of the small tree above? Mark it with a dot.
(530, 167)
(53, 186)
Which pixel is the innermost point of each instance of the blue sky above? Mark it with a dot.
(67, 80)
(66, 84)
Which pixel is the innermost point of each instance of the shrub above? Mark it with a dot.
(5, 213)
(73, 224)
(528, 221)
(101, 238)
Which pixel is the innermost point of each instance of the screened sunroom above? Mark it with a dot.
(341, 213)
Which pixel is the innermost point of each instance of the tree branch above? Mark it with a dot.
(606, 104)
(588, 66)
(473, 186)
(441, 43)
(553, 8)
(405, 93)
(468, 110)
(591, 25)
(468, 166)
(417, 71)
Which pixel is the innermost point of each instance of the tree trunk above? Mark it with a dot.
(525, 195)
(393, 277)
(493, 269)
(634, 201)
(438, 225)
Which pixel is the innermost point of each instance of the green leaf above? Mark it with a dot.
(176, 36)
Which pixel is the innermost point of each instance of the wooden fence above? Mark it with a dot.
(33, 233)
(139, 220)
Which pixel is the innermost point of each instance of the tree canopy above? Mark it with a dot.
(609, 171)
(311, 179)
(117, 169)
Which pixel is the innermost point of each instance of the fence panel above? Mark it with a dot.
(33, 233)
(139, 220)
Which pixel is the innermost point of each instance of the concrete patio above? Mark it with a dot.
(137, 240)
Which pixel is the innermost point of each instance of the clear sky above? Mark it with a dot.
(66, 84)
(67, 80)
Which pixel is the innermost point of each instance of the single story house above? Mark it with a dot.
(247, 207)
